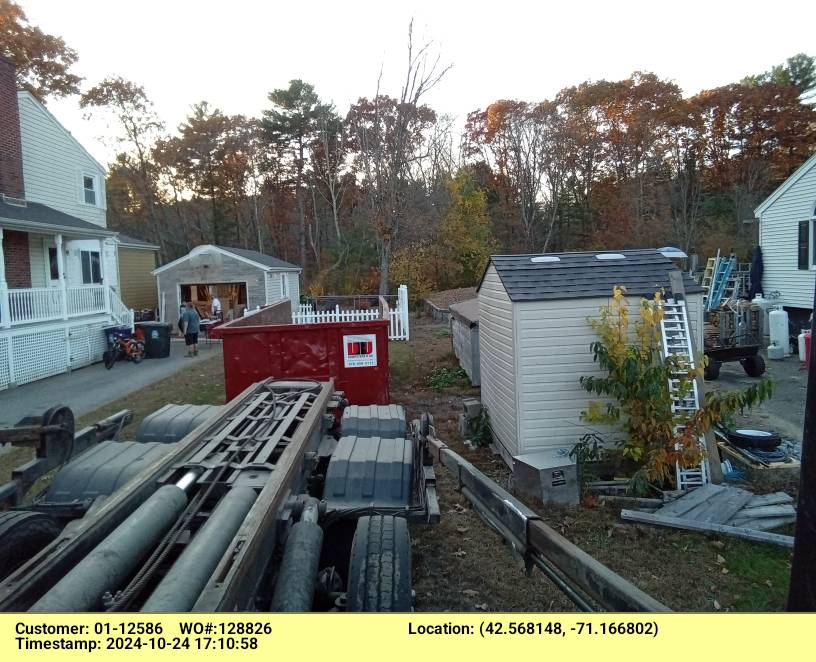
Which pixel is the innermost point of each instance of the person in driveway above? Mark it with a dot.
(191, 322)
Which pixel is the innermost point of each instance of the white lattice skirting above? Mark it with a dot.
(27, 355)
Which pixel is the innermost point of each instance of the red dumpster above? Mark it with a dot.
(354, 354)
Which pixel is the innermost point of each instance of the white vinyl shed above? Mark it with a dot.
(535, 339)
(787, 235)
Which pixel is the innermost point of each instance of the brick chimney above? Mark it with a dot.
(11, 150)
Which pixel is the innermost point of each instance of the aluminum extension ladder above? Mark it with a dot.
(720, 283)
(675, 330)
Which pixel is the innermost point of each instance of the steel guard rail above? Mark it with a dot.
(583, 579)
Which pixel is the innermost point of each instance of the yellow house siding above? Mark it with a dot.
(137, 284)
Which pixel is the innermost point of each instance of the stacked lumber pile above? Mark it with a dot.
(726, 510)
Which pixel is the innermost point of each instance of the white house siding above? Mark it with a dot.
(497, 360)
(553, 340)
(53, 163)
(778, 236)
(73, 261)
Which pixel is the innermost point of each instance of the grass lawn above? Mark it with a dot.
(200, 384)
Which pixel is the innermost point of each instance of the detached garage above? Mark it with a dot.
(241, 279)
(535, 339)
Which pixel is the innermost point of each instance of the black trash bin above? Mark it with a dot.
(156, 339)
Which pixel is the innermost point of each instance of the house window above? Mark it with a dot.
(53, 264)
(91, 267)
(284, 286)
(89, 189)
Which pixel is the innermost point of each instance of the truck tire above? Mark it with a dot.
(380, 566)
(754, 366)
(23, 533)
(712, 370)
(758, 439)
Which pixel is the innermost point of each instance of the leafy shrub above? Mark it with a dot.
(637, 381)
(444, 377)
(481, 434)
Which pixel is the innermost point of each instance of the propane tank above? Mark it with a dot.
(802, 347)
(765, 306)
(778, 320)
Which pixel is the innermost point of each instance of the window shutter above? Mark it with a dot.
(804, 244)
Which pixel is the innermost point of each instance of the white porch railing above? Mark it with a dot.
(398, 328)
(34, 304)
(86, 300)
(120, 312)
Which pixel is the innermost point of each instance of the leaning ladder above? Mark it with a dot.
(677, 342)
(719, 285)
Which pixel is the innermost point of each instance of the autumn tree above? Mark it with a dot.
(126, 105)
(798, 71)
(291, 124)
(466, 236)
(387, 134)
(204, 153)
(43, 61)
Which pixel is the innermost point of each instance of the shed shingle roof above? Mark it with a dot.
(260, 258)
(583, 275)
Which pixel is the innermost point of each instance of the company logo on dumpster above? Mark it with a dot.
(360, 351)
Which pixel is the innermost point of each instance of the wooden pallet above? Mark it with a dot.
(727, 510)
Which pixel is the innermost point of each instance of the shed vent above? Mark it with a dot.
(545, 258)
(610, 256)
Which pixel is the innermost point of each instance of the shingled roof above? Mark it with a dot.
(34, 216)
(552, 276)
(260, 258)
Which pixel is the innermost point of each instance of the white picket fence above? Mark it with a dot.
(398, 328)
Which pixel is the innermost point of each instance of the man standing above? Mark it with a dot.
(191, 322)
(216, 307)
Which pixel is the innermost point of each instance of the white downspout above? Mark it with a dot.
(5, 310)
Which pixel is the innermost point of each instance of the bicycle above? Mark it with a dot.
(123, 347)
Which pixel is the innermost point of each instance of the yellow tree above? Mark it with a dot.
(467, 240)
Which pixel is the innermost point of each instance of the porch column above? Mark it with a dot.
(103, 272)
(61, 271)
(5, 311)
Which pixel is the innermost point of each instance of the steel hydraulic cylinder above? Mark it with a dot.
(182, 585)
(111, 561)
